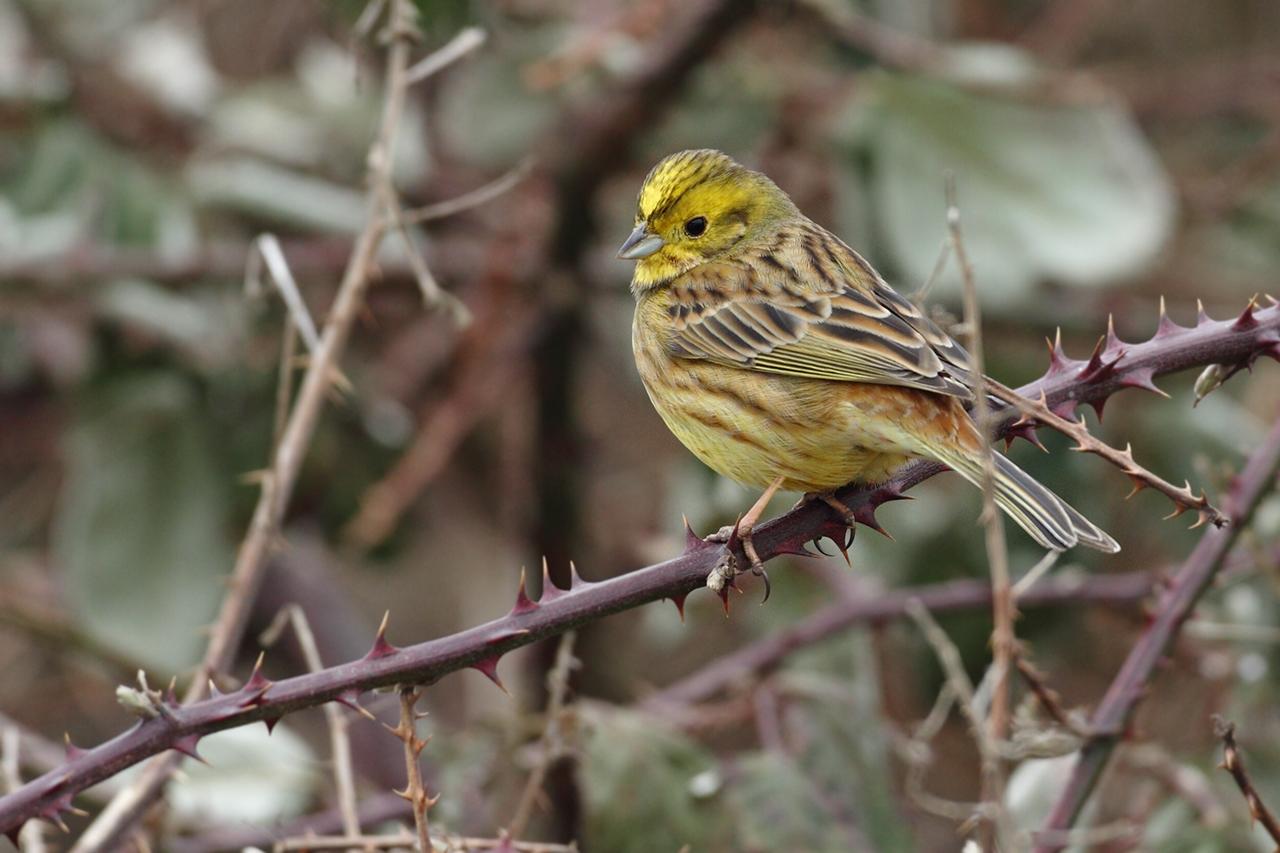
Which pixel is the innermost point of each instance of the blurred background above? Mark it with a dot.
(1106, 154)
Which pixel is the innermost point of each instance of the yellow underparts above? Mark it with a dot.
(753, 427)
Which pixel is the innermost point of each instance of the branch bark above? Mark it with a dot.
(1112, 716)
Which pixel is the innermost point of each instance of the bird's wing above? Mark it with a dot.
(850, 331)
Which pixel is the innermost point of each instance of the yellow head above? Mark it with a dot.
(698, 206)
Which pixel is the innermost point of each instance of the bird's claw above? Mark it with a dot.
(726, 570)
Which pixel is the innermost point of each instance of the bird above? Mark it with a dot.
(781, 359)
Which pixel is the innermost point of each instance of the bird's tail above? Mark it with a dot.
(1048, 519)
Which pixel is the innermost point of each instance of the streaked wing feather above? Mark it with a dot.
(849, 335)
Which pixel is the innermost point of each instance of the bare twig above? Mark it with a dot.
(31, 838)
(1109, 720)
(550, 746)
(1224, 341)
(763, 655)
(1048, 698)
(1233, 763)
(451, 844)
(266, 250)
(415, 790)
(278, 484)
(339, 743)
(481, 195)
(459, 46)
(962, 689)
(1003, 639)
(1183, 498)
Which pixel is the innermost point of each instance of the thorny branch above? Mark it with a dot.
(767, 653)
(415, 790)
(1110, 719)
(1032, 411)
(1233, 342)
(1233, 763)
(1048, 698)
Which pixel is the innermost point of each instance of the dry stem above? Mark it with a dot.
(1183, 498)
(1003, 639)
(31, 838)
(962, 689)
(1233, 763)
(457, 844)
(339, 742)
(415, 791)
(549, 745)
(1132, 682)
(277, 486)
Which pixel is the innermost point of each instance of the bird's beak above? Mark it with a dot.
(640, 244)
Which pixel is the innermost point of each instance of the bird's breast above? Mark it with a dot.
(752, 426)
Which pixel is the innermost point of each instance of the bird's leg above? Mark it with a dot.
(725, 571)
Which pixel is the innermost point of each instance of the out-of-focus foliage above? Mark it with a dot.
(1067, 192)
(140, 539)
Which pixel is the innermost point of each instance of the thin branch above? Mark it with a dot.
(339, 743)
(962, 689)
(1223, 341)
(457, 844)
(462, 44)
(1233, 763)
(1131, 684)
(266, 251)
(1183, 498)
(1048, 698)
(277, 486)
(1003, 639)
(475, 198)
(415, 790)
(549, 745)
(31, 838)
(769, 652)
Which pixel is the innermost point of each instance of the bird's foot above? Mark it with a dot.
(727, 569)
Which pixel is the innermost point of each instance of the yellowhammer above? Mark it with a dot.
(782, 359)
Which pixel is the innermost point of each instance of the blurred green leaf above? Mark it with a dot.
(251, 777)
(324, 120)
(140, 537)
(250, 185)
(638, 782)
(1048, 190)
(71, 186)
(206, 325)
(491, 112)
(777, 806)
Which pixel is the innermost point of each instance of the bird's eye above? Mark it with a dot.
(696, 227)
